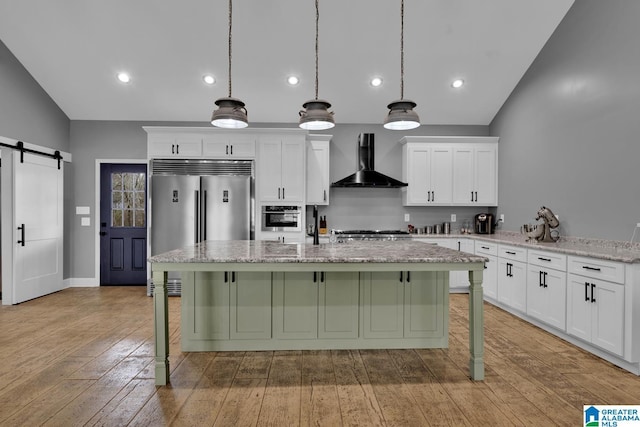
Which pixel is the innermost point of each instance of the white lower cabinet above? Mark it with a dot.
(459, 280)
(547, 288)
(490, 275)
(595, 307)
(512, 277)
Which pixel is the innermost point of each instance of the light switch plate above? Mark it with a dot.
(453, 218)
(406, 218)
(85, 221)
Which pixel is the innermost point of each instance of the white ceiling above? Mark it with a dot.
(74, 48)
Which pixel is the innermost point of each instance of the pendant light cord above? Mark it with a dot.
(230, 20)
(317, 20)
(401, 49)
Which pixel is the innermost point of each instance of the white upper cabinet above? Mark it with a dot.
(475, 174)
(446, 171)
(174, 146)
(233, 146)
(281, 168)
(318, 180)
(427, 169)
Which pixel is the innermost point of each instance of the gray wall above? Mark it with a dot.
(569, 131)
(27, 113)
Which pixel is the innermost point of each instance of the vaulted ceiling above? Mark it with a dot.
(75, 48)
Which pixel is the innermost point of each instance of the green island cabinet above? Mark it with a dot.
(314, 310)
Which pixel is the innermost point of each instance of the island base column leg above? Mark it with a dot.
(161, 327)
(476, 326)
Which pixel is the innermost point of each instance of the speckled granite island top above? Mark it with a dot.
(252, 251)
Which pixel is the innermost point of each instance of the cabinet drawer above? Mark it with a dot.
(597, 268)
(512, 253)
(487, 248)
(548, 259)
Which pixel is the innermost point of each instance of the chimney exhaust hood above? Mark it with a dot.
(366, 176)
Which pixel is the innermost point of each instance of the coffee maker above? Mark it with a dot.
(484, 223)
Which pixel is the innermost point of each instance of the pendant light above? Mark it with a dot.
(231, 112)
(316, 114)
(401, 115)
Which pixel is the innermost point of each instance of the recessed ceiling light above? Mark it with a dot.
(457, 83)
(376, 82)
(293, 80)
(124, 77)
(209, 79)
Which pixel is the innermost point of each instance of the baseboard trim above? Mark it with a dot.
(78, 282)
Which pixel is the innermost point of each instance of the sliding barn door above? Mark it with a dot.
(38, 226)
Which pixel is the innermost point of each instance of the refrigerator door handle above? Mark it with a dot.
(196, 237)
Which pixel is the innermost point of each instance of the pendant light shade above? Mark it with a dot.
(316, 114)
(401, 115)
(231, 113)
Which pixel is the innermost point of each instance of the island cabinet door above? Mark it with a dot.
(338, 305)
(205, 307)
(426, 304)
(250, 305)
(383, 314)
(295, 305)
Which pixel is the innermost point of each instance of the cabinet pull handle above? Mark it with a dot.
(485, 247)
(21, 241)
(544, 277)
(226, 149)
(476, 196)
(324, 195)
(315, 277)
(458, 246)
(510, 253)
(540, 279)
(322, 277)
(278, 193)
(544, 259)
(433, 196)
(173, 150)
(593, 286)
(428, 196)
(472, 196)
(586, 291)
(408, 277)
(233, 276)
(401, 276)
(509, 274)
(226, 276)
(586, 267)
(231, 150)
(282, 193)
(177, 148)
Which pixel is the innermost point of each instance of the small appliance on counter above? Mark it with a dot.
(484, 223)
(542, 232)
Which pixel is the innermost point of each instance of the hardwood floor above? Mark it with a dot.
(83, 356)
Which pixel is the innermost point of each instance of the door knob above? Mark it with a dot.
(103, 233)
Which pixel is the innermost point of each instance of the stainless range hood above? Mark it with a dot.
(366, 176)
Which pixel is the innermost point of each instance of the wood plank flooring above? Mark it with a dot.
(83, 356)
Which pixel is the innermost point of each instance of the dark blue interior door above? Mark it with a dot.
(123, 224)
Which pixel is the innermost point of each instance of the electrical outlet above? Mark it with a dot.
(406, 218)
(453, 217)
(501, 217)
(638, 225)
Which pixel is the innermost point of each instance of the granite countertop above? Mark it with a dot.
(256, 251)
(610, 250)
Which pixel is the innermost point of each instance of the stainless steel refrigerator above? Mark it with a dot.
(193, 201)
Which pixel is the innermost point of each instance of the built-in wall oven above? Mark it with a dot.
(281, 218)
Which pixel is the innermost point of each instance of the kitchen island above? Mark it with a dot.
(260, 295)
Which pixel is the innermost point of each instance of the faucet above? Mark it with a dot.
(316, 239)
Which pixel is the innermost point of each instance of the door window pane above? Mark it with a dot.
(128, 199)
